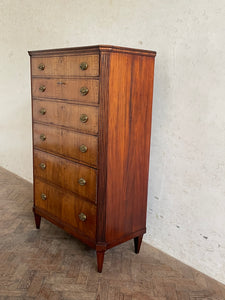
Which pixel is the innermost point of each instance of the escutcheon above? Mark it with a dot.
(84, 91)
(83, 66)
(83, 148)
(82, 217)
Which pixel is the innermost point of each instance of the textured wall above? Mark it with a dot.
(186, 187)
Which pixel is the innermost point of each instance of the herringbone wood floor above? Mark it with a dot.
(50, 264)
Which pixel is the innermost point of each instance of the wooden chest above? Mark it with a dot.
(91, 139)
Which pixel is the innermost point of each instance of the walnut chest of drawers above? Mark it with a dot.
(91, 139)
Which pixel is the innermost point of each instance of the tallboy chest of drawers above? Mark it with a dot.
(91, 139)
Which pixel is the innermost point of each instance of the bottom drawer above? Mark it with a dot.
(67, 207)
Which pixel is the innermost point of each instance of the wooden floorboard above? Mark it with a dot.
(50, 264)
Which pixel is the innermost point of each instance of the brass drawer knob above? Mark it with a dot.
(83, 118)
(42, 88)
(42, 137)
(83, 148)
(84, 91)
(41, 67)
(43, 196)
(42, 166)
(83, 66)
(42, 111)
(82, 217)
(82, 181)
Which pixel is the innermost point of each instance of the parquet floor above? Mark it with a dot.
(50, 264)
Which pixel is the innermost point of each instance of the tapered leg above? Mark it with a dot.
(37, 220)
(137, 243)
(100, 259)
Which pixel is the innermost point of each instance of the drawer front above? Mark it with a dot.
(79, 117)
(66, 206)
(82, 90)
(80, 65)
(72, 176)
(82, 147)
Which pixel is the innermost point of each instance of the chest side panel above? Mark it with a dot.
(129, 130)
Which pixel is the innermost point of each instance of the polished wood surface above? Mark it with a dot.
(66, 65)
(66, 207)
(52, 264)
(67, 89)
(129, 127)
(66, 143)
(117, 136)
(66, 174)
(66, 114)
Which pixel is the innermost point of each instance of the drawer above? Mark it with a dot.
(66, 206)
(72, 176)
(80, 65)
(79, 117)
(82, 90)
(82, 147)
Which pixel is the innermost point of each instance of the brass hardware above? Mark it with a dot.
(42, 88)
(42, 137)
(84, 91)
(61, 82)
(82, 217)
(83, 148)
(41, 67)
(42, 166)
(42, 111)
(83, 66)
(43, 197)
(83, 118)
(82, 181)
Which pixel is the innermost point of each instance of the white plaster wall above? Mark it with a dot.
(186, 209)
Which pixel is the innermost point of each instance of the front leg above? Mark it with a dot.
(100, 259)
(37, 219)
(137, 243)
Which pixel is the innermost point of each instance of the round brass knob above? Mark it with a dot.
(83, 148)
(42, 166)
(82, 217)
(84, 91)
(82, 181)
(43, 197)
(41, 67)
(42, 111)
(83, 118)
(83, 66)
(42, 137)
(42, 88)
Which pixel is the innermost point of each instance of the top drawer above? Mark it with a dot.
(79, 65)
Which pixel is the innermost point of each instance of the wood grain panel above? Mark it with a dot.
(66, 65)
(67, 114)
(68, 89)
(66, 207)
(66, 142)
(129, 127)
(66, 174)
